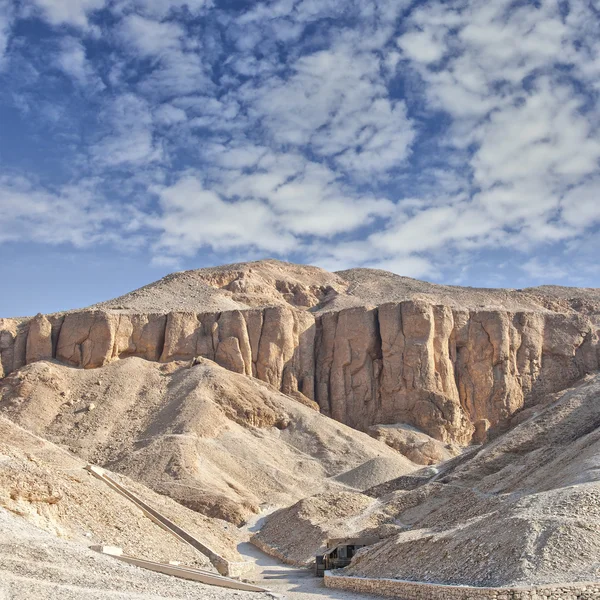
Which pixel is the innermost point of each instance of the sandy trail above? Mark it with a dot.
(286, 581)
(292, 583)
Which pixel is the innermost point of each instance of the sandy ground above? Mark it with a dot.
(49, 488)
(37, 565)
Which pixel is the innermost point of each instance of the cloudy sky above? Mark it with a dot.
(452, 141)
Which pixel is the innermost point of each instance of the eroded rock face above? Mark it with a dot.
(39, 340)
(13, 345)
(349, 364)
(87, 339)
(452, 373)
(139, 335)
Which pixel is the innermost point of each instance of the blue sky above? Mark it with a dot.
(452, 141)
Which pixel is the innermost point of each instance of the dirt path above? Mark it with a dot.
(293, 583)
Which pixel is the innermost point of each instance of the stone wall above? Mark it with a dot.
(409, 590)
(452, 373)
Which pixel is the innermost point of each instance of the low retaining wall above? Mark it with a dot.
(410, 590)
(275, 553)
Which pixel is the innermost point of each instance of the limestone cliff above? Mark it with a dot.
(451, 372)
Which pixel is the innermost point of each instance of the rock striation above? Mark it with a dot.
(454, 372)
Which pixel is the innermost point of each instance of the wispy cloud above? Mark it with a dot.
(72, 214)
(70, 12)
(73, 62)
(129, 137)
(6, 20)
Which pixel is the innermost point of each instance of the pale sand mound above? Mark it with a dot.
(297, 533)
(219, 442)
(37, 565)
(376, 471)
(49, 487)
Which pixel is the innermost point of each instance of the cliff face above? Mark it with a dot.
(451, 372)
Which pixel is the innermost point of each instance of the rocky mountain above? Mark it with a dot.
(215, 389)
(368, 346)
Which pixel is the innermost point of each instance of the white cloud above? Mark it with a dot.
(6, 20)
(545, 136)
(177, 74)
(167, 114)
(532, 136)
(178, 68)
(312, 126)
(130, 134)
(160, 9)
(73, 214)
(236, 157)
(432, 228)
(407, 266)
(336, 102)
(149, 37)
(422, 46)
(272, 210)
(73, 62)
(581, 205)
(194, 217)
(70, 12)
(545, 271)
(347, 255)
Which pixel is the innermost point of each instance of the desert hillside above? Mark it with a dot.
(52, 510)
(368, 346)
(217, 442)
(37, 564)
(48, 486)
(520, 510)
(275, 283)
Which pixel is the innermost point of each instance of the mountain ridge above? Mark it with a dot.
(370, 347)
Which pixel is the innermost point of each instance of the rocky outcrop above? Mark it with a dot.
(39, 340)
(414, 444)
(13, 345)
(453, 373)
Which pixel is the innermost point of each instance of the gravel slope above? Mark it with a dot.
(36, 565)
(523, 509)
(49, 487)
